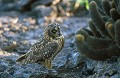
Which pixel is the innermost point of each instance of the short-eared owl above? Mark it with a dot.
(46, 49)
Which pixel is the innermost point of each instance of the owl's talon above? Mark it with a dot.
(48, 64)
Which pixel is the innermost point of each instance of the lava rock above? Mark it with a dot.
(42, 11)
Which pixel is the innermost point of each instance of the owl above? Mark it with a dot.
(44, 51)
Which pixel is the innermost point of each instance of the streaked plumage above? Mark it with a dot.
(46, 49)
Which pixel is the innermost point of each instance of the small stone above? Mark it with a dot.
(2, 68)
(111, 73)
(5, 75)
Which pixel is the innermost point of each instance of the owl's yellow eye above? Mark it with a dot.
(54, 31)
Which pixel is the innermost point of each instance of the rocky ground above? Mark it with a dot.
(17, 35)
(18, 31)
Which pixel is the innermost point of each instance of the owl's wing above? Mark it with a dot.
(29, 54)
(52, 48)
(42, 51)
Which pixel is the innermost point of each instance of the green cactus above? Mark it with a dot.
(105, 41)
(93, 29)
(106, 7)
(110, 28)
(114, 14)
(95, 16)
(117, 32)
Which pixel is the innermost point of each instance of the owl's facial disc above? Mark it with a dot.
(54, 30)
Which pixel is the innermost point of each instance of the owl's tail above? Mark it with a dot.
(21, 58)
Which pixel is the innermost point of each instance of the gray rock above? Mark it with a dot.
(8, 7)
(115, 76)
(11, 70)
(42, 11)
(2, 68)
(25, 5)
(5, 75)
(8, 1)
(41, 2)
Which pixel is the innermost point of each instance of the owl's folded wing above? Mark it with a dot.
(46, 52)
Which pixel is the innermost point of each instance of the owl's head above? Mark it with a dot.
(53, 30)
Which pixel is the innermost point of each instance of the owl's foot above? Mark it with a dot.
(48, 64)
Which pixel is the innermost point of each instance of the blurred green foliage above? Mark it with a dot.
(83, 2)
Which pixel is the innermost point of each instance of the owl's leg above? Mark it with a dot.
(48, 63)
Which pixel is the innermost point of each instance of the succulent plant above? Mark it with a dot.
(102, 41)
